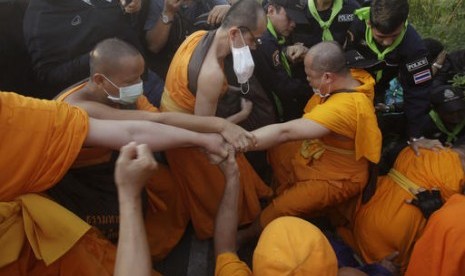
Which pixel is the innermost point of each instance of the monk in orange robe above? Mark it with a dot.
(387, 223)
(38, 236)
(101, 98)
(441, 248)
(202, 183)
(329, 172)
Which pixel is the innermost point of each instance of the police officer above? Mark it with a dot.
(381, 32)
(327, 20)
(272, 67)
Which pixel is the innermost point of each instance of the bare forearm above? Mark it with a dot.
(115, 134)
(270, 136)
(227, 218)
(205, 124)
(132, 256)
(298, 129)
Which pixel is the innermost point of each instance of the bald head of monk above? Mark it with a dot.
(326, 69)
(245, 22)
(116, 66)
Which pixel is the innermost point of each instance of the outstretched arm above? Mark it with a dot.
(114, 134)
(134, 166)
(227, 218)
(275, 134)
(232, 133)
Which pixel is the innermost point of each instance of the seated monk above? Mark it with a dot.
(386, 223)
(202, 183)
(330, 169)
(38, 236)
(114, 92)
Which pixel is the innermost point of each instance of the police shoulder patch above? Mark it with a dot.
(275, 57)
(422, 76)
(412, 66)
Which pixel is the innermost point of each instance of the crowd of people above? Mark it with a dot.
(316, 127)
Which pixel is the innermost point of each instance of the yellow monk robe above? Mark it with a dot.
(280, 156)
(202, 183)
(287, 246)
(166, 218)
(38, 143)
(441, 248)
(386, 223)
(316, 174)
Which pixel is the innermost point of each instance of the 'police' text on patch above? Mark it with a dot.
(412, 66)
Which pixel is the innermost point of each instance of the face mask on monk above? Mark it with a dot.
(127, 94)
(317, 91)
(243, 64)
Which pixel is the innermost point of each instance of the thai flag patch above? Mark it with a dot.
(422, 76)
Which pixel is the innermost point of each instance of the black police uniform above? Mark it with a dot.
(311, 33)
(409, 62)
(293, 93)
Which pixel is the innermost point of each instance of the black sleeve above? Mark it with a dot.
(62, 75)
(273, 76)
(416, 78)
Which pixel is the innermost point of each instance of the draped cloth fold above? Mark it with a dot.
(29, 218)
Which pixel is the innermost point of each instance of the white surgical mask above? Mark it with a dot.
(127, 94)
(317, 91)
(243, 63)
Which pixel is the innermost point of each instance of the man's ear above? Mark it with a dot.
(328, 77)
(97, 78)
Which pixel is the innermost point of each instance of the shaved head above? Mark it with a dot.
(327, 56)
(246, 13)
(106, 57)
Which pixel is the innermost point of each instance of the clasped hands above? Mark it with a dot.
(231, 143)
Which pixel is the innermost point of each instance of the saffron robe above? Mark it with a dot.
(202, 184)
(166, 218)
(386, 223)
(39, 141)
(328, 172)
(441, 248)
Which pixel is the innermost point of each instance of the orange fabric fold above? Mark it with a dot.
(441, 248)
(353, 116)
(229, 264)
(177, 80)
(386, 223)
(31, 129)
(202, 186)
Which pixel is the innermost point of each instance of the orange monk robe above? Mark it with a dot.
(202, 183)
(280, 156)
(287, 246)
(166, 218)
(441, 248)
(386, 223)
(38, 143)
(318, 174)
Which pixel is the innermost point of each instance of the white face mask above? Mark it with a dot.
(127, 94)
(242, 62)
(317, 91)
